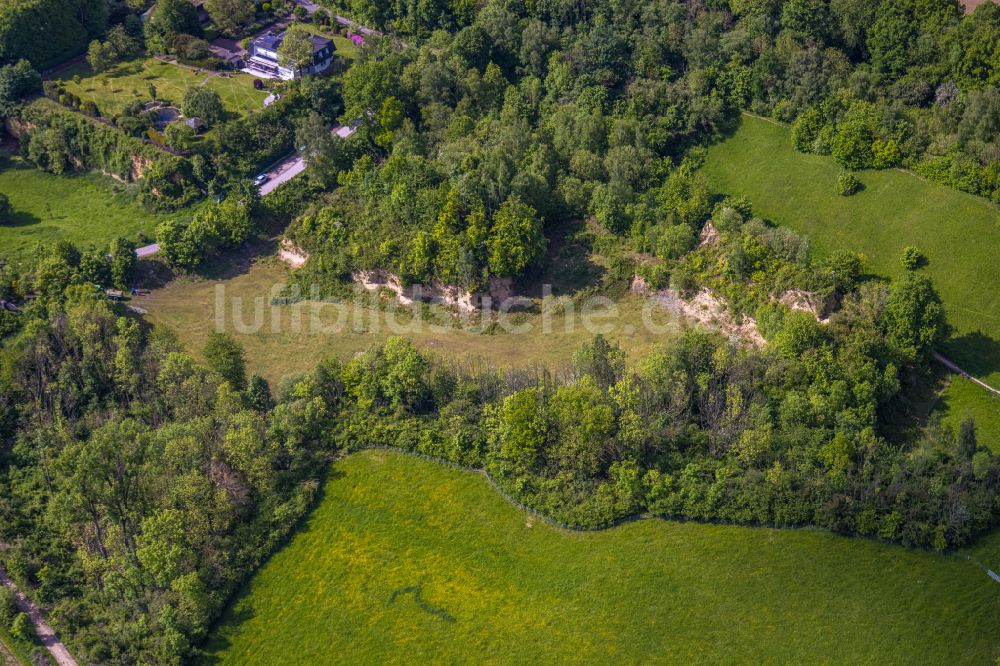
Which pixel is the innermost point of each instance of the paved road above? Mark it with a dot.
(283, 172)
(312, 7)
(343, 20)
(45, 632)
(147, 250)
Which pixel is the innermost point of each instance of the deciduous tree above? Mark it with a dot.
(226, 357)
(516, 242)
(231, 16)
(203, 103)
(296, 49)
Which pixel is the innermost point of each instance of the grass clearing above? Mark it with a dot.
(83, 209)
(961, 399)
(190, 307)
(345, 47)
(129, 81)
(958, 233)
(410, 561)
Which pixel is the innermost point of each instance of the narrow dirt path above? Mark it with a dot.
(46, 634)
(954, 368)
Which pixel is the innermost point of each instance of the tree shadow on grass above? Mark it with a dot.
(904, 416)
(154, 273)
(125, 69)
(945, 405)
(417, 592)
(217, 642)
(977, 353)
(858, 189)
(20, 218)
(569, 266)
(227, 265)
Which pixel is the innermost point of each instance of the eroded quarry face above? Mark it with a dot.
(970, 5)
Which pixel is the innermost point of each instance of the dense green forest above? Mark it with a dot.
(139, 488)
(46, 32)
(542, 112)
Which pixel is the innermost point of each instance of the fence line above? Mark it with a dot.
(549, 520)
(552, 522)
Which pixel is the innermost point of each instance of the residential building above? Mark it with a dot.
(263, 59)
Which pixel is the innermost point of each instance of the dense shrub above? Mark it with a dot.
(22, 629)
(912, 258)
(46, 32)
(203, 103)
(847, 184)
(223, 225)
(852, 147)
(60, 142)
(168, 427)
(17, 81)
(806, 129)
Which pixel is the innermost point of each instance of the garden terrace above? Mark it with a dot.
(128, 82)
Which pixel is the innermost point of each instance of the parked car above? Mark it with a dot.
(261, 179)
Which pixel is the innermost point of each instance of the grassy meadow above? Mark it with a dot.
(128, 81)
(83, 209)
(961, 399)
(345, 47)
(409, 561)
(958, 233)
(188, 306)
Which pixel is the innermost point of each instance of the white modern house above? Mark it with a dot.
(263, 60)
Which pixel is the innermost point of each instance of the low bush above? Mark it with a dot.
(912, 258)
(847, 184)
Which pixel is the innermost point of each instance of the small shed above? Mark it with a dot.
(114, 294)
(196, 124)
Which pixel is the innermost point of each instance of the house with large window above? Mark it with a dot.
(263, 60)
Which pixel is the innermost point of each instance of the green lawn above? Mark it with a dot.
(81, 208)
(408, 561)
(959, 233)
(129, 81)
(345, 47)
(189, 306)
(962, 399)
